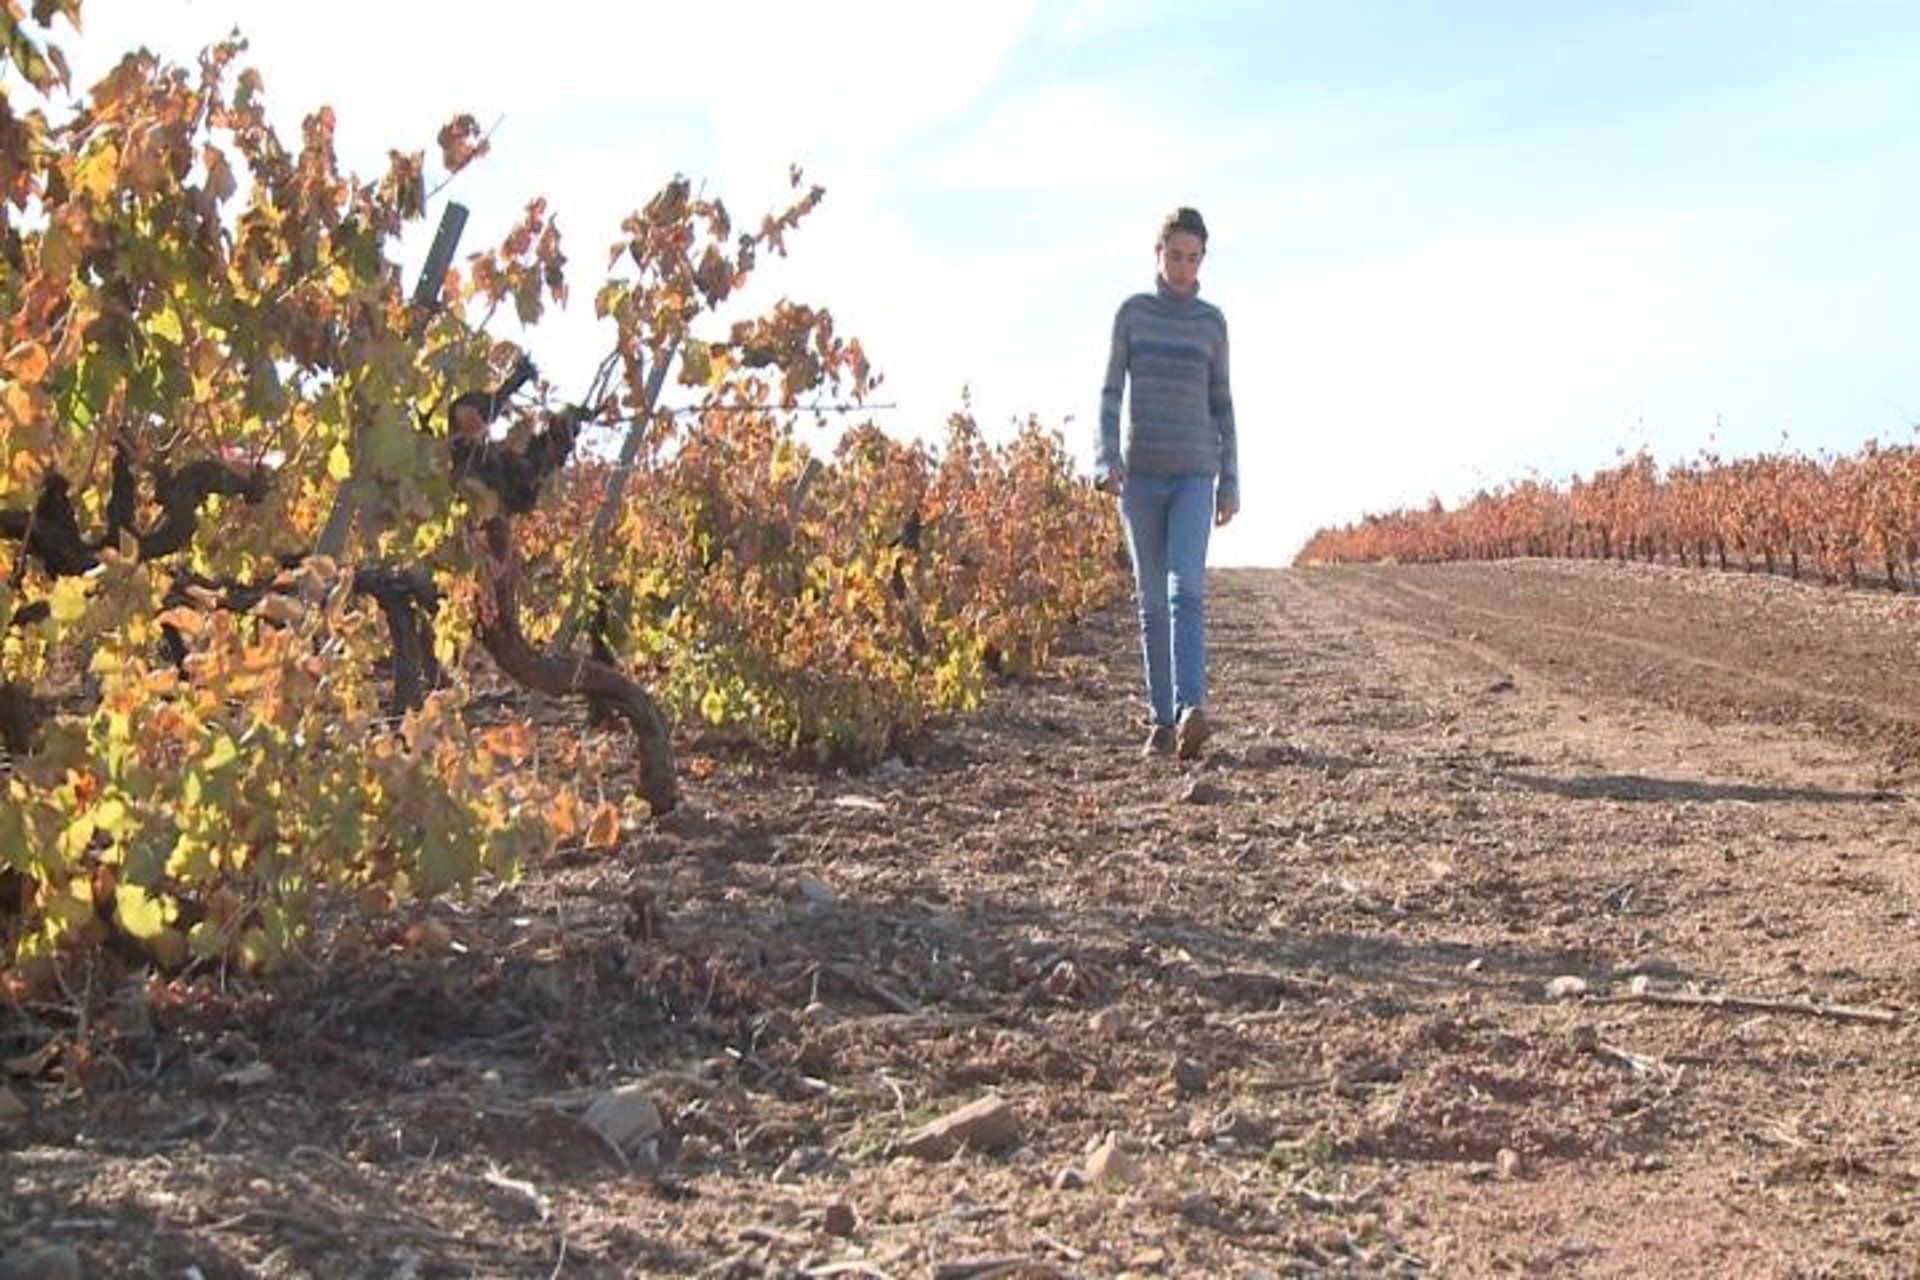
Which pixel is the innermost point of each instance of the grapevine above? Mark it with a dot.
(210, 374)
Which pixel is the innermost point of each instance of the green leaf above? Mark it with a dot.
(389, 446)
(206, 940)
(16, 849)
(223, 752)
(100, 376)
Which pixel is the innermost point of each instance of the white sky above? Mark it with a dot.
(1456, 244)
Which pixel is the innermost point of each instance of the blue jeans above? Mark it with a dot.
(1168, 521)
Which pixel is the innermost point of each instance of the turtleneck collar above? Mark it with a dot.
(1172, 296)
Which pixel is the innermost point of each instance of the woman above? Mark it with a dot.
(1177, 473)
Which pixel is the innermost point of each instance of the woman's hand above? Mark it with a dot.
(1225, 508)
(1111, 481)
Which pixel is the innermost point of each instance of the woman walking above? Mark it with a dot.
(1177, 473)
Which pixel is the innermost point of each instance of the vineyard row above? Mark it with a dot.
(1851, 519)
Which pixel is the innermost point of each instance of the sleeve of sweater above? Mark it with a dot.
(1107, 453)
(1220, 402)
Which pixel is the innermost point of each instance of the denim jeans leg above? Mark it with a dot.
(1143, 502)
(1189, 522)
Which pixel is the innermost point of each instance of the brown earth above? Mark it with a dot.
(1303, 985)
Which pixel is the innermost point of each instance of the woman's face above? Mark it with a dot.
(1180, 260)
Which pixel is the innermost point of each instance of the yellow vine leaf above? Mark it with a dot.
(99, 172)
(69, 601)
(139, 913)
(165, 323)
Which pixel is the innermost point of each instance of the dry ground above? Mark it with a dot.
(1303, 986)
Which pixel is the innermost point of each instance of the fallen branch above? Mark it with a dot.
(1064, 1249)
(904, 1024)
(1756, 1004)
(868, 985)
(982, 1268)
(851, 1267)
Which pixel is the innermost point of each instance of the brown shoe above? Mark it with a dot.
(1160, 741)
(1192, 734)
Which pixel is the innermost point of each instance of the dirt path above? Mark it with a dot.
(1303, 986)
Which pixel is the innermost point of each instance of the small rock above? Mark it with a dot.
(1202, 792)
(1150, 1259)
(257, 1075)
(1201, 1208)
(429, 937)
(51, 1262)
(1566, 987)
(12, 1109)
(815, 890)
(1236, 1126)
(1070, 1178)
(799, 1162)
(1109, 1164)
(1270, 755)
(1507, 1163)
(626, 1118)
(1476, 964)
(1639, 984)
(1063, 980)
(839, 1220)
(1189, 1076)
(1651, 966)
(690, 822)
(860, 804)
(1110, 1023)
(987, 1124)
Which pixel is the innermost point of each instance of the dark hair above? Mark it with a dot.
(1182, 219)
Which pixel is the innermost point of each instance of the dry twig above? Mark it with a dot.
(1756, 1004)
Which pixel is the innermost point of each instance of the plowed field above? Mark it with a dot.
(1521, 919)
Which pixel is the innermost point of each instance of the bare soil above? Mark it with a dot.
(1307, 987)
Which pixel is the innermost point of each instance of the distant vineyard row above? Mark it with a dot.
(1853, 519)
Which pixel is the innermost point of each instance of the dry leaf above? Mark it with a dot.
(604, 831)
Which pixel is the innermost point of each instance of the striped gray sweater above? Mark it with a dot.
(1172, 347)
